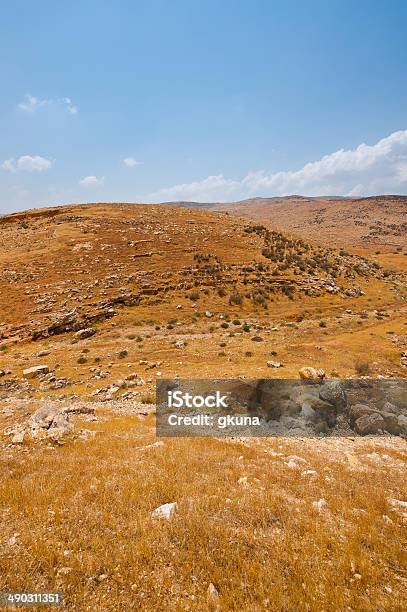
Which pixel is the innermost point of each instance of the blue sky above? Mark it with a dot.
(215, 100)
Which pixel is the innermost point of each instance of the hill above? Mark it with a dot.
(97, 303)
(369, 223)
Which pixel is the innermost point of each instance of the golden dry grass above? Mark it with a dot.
(87, 506)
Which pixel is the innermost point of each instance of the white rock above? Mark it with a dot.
(18, 437)
(212, 597)
(320, 505)
(397, 503)
(36, 371)
(165, 511)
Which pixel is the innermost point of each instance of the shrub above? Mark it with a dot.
(131, 336)
(362, 368)
(235, 299)
(236, 322)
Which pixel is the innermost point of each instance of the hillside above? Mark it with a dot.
(371, 223)
(97, 303)
(139, 266)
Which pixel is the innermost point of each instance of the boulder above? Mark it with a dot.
(308, 373)
(390, 422)
(331, 391)
(274, 364)
(82, 334)
(165, 511)
(359, 410)
(402, 423)
(369, 424)
(35, 371)
(43, 417)
(60, 426)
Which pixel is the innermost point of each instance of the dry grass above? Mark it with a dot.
(86, 506)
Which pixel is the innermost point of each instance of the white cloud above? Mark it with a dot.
(70, 107)
(31, 104)
(209, 189)
(130, 162)
(92, 181)
(29, 163)
(365, 170)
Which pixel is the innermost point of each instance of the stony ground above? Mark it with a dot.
(97, 303)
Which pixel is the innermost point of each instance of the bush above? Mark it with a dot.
(193, 295)
(362, 368)
(235, 299)
(131, 336)
(236, 322)
(224, 325)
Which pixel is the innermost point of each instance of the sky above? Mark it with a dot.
(205, 100)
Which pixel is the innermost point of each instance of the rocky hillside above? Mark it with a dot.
(374, 223)
(65, 269)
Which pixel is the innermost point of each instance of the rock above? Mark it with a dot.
(13, 540)
(165, 510)
(18, 437)
(35, 371)
(274, 364)
(308, 413)
(60, 426)
(369, 424)
(308, 373)
(402, 423)
(320, 505)
(359, 410)
(331, 391)
(43, 417)
(388, 407)
(391, 424)
(208, 314)
(180, 344)
(79, 409)
(212, 597)
(43, 353)
(82, 334)
(2, 373)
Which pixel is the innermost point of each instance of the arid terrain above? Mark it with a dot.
(99, 301)
(377, 222)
